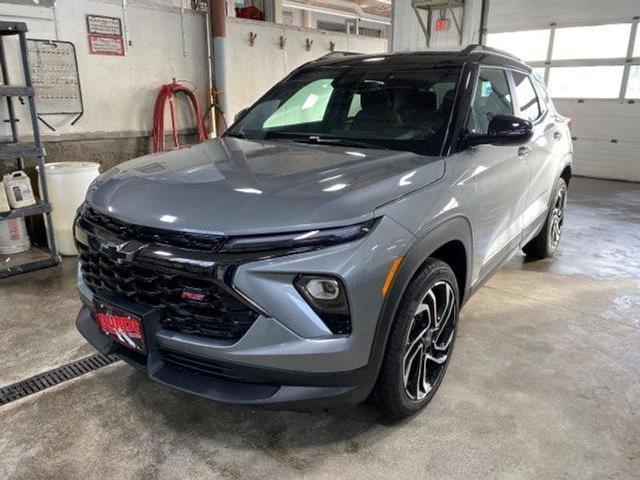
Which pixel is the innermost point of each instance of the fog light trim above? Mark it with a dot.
(327, 297)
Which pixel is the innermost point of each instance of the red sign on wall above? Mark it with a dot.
(106, 45)
(442, 24)
(105, 35)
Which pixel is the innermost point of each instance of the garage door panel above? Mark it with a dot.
(603, 159)
(601, 120)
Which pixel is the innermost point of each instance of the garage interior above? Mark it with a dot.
(545, 381)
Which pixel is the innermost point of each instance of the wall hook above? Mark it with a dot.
(283, 41)
(332, 46)
(252, 38)
(308, 44)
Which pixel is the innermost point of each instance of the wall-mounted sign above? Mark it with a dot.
(106, 45)
(105, 35)
(101, 25)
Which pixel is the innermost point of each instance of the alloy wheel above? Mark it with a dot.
(429, 341)
(557, 218)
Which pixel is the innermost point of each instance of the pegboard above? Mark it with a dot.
(54, 72)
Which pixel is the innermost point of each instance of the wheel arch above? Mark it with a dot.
(446, 241)
(566, 174)
(450, 241)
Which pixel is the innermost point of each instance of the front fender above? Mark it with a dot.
(457, 228)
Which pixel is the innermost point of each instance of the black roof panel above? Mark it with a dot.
(482, 55)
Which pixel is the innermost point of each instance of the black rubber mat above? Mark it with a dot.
(54, 377)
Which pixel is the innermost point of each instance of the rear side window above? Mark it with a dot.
(492, 97)
(543, 96)
(527, 98)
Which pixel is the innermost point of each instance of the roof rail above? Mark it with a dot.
(338, 53)
(477, 48)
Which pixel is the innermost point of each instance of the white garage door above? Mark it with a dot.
(590, 58)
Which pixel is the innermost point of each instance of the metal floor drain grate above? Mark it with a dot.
(54, 377)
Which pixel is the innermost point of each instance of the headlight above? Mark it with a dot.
(327, 297)
(80, 235)
(298, 240)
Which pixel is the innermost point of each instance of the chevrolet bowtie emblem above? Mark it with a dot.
(122, 252)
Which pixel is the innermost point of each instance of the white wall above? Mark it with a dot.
(406, 34)
(251, 70)
(596, 122)
(118, 92)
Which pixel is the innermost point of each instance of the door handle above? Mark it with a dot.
(523, 151)
(557, 135)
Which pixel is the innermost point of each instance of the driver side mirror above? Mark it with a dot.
(503, 130)
(239, 114)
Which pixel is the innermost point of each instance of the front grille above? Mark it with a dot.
(215, 314)
(128, 231)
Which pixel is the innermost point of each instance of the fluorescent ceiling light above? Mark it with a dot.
(372, 20)
(328, 11)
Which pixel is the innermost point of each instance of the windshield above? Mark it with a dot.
(380, 106)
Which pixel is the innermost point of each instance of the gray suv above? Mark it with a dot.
(320, 251)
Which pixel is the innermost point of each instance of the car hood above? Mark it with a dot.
(233, 186)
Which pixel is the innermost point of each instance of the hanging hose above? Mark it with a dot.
(168, 92)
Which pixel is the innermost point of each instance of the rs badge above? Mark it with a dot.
(192, 295)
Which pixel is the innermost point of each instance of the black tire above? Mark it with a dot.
(396, 397)
(545, 244)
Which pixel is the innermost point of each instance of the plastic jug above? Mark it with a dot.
(18, 188)
(4, 202)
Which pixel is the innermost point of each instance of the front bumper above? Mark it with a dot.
(232, 383)
(288, 358)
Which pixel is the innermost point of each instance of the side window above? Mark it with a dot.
(492, 97)
(307, 105)
(543, 96)
(527, 98)
(354, 106)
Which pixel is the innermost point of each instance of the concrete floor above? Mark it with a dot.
(544, 383)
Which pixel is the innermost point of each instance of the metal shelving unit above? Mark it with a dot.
(16, 151)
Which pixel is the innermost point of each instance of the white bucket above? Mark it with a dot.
(13, 236)
(18, 189)
(67, 183)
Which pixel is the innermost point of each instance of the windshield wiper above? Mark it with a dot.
(237, 135)
(314, 139)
